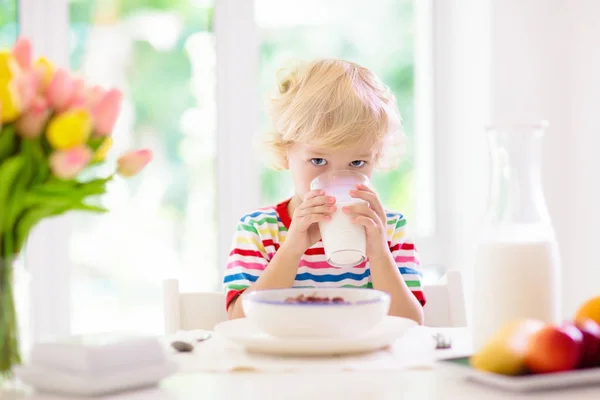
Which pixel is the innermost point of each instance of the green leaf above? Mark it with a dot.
(34, 199)
(90, 208)
(40, 160)
(94, 187)
(20, 186)
(64, 192)
(9, 171)
(95, 142)
(8, 142)
(55, 186)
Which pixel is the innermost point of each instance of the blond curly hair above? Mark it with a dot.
(330, 104)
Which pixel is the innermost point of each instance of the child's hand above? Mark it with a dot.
(371, 215)
(304, 231)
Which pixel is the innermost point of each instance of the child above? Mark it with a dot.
(327, 115)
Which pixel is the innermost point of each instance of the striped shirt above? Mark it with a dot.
(260, 234)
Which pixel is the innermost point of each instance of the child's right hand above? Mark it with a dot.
(304, 231)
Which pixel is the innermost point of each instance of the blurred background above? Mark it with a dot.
(196, 75)
(162, 54)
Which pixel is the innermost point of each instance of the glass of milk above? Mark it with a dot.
(517, 268)
(343, 241)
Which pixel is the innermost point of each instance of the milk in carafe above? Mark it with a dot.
(516, 276)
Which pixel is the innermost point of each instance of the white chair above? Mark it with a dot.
(188, 311)
(445, 305)
(203, 310)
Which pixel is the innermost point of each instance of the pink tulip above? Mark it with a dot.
(26, 83)
(22, 50)
(106, 111)
(93, 95)
(44, 72)
(60, 90)
(77, 102)
(78, 86)
(78, 99)
(130, 164)
(67, 164)
(32, 122)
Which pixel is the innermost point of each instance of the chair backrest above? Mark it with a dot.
(445, 305)
(188, 311)
(203, 310)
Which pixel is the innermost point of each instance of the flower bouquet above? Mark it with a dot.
(53, 127)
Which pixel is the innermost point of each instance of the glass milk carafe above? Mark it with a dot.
(517, 266)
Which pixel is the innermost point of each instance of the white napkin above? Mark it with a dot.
(416, 349)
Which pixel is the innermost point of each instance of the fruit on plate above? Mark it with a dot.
(554, 349)
(506, 351)
(591, 343)
(589, 310)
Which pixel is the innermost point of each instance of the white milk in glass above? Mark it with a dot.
(344, 242)
(520, 267)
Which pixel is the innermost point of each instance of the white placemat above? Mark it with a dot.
(416, 349)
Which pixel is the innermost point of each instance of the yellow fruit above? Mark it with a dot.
(589, 310)
(505, 352)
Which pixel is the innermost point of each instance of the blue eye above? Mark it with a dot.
(318, 161)
(358, 163)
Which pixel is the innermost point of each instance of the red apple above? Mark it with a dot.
(591, 343)
(554, 349)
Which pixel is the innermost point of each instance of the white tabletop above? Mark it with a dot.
(439, 382)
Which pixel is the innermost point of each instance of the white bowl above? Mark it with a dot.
(361, 311)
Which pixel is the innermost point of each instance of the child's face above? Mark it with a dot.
(306, 163)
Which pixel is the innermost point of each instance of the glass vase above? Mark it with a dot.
(10, 354)
(517, 265)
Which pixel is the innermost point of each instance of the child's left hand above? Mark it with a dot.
(372, 216)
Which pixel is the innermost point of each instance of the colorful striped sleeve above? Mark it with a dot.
(247, 259)
(406, 256)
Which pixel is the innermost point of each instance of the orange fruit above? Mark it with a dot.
(589, 310)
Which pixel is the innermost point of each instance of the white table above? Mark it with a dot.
(436, 383)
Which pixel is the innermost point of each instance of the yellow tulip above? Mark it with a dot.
(44, 69)
(10, 102)
(8, 67)
(103, 149)
(69, 129)
(10, 105)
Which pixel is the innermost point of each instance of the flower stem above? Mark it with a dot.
(9, 346)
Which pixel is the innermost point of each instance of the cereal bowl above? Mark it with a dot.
(315, 312)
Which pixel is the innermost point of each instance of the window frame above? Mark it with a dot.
(46, 23)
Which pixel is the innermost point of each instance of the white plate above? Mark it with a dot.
(526, 383)
(55, 381)
(245, 334)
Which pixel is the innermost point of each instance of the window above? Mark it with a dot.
(377, 34)
(9, 24)
(195, 74)
(161, 224)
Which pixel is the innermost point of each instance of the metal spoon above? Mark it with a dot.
(442, 341)
(186, 347)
